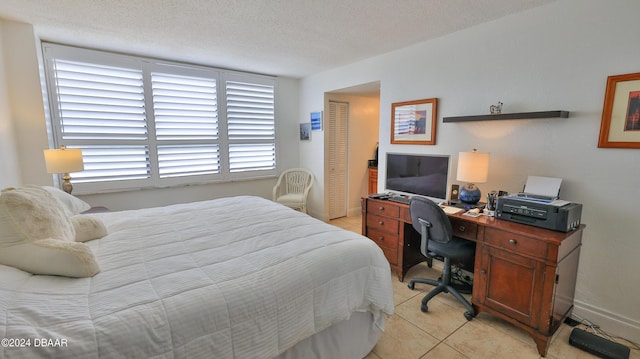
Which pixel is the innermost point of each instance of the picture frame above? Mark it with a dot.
(316, 121)
(620, 126)
(414, 122)
(305, 131)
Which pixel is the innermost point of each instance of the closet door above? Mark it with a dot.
(337, 155)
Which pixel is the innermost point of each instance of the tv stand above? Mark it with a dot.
(523, 274)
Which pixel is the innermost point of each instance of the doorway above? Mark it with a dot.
(347, 155)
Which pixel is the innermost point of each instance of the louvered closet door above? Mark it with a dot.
(337, 132)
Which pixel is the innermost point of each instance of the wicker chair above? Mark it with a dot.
(293, 187)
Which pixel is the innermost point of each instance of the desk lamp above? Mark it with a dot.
(64, 161)
(473, 167)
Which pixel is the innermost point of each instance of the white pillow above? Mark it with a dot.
(37, 236)
(74, 204)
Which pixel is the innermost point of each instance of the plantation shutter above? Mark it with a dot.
(144, 123)
(97, 103)
(185, 109)
(250, 126)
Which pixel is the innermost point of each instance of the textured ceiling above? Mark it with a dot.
(280, 37)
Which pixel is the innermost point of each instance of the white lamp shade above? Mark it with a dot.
(473, 167)
(63, 160)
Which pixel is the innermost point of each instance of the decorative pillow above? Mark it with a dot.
(88, 227)
(37, 236)
(74, 204)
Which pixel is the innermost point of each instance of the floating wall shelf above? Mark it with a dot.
(509, 116)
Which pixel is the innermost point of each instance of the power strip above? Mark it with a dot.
(598, 345)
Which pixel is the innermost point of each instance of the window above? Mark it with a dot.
(149, 123)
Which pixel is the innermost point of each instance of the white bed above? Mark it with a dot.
(238, 277)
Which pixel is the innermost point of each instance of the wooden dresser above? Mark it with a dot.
(523, 274)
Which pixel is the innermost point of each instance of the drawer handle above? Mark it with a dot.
(483, 271)
(381, 238)
(381, 223)
(381, 208)
(513, 241)
(461, 228)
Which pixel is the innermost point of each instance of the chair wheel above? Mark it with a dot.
(424, 308)
(411, 285)
(468, 315)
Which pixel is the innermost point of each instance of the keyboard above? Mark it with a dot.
(400, 199)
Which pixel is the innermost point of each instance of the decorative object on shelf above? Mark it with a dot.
(496, 109)
(65, 161)
(620, 126)
(316, 121)
(473, 167)
(414, 122)
(509, 116)
(305, 131)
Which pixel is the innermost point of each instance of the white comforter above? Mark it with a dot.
(237, 277)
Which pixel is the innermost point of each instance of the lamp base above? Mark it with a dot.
(66, 183)
(469, 193)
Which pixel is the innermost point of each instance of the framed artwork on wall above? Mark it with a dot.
(316, 121)
(414, 122)
(305, 131)
(620, 126)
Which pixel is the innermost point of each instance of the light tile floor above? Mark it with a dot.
(444, 332)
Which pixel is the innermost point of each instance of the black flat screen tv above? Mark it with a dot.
(422, 175)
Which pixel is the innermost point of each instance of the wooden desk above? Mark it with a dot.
(523, 274)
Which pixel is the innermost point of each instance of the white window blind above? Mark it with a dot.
(251, 126)
(185, 107)
(99, 102)
(144, 123)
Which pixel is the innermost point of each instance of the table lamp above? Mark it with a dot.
(64, 161)
(473, 167)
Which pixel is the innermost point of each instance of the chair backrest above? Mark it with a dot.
(430, 221)
(297, 180)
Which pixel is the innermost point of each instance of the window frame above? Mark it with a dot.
(148, 66)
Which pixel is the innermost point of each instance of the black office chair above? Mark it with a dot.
(438, 240)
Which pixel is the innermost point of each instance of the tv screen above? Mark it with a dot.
(423, 175)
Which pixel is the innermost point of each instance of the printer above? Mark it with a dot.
(538, 205)
(559, 216)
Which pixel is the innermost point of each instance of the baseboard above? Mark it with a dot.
(611, 323)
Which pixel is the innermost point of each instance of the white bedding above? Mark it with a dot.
(238, 277)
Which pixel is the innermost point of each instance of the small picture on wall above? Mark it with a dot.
(620, 126)
(305, 131)
(316, 121)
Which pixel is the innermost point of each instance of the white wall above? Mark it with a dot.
(9, 170)
(555, 57)
(23, 131)
(27, 107)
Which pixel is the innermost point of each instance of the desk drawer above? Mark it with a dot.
(383, 208)
(387, 242)
(464, 229)
(383, 224)
(515, 242)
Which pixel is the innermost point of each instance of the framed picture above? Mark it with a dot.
(305, 131)
(414, 122)
(316, 121)
(620, 126)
